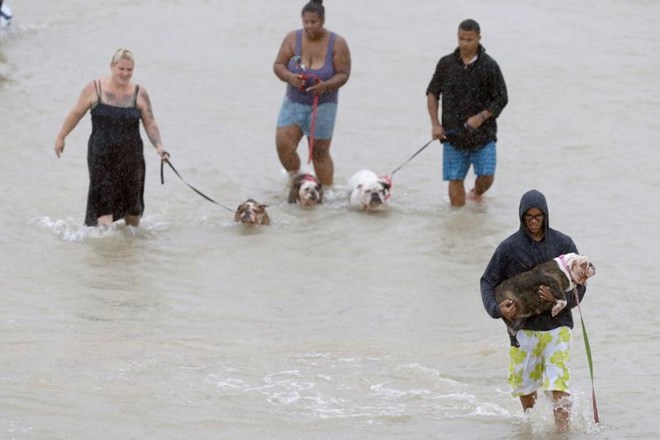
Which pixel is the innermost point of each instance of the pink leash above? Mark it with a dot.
(388, 179)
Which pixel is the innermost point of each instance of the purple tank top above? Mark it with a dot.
(326, 72)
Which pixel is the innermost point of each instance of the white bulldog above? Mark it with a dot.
(306, 190)
(369, 192)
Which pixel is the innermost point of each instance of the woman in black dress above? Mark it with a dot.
(114, 157)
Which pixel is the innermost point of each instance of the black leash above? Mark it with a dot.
(162, 182)
(412, 157)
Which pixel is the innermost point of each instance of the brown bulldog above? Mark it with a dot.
(251, 212)
(560, 276)
(306, 190)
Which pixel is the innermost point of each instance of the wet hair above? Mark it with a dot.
(315, 6)
(122, 54)
(469, 25)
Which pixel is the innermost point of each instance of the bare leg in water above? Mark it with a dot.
(287, 140)
(561, 410)
(130, 220)
(457, 194)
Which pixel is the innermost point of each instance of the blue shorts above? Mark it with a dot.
(292, 113)
(456, 163)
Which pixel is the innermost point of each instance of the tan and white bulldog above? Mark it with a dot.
(306, 190)
(561, 275)
(251, 212)
(368, 191)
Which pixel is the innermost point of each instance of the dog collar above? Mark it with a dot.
(388, 180)
(570, 273)
(563, 263)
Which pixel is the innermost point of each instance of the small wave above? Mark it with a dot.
(70, 229)
(15, 427)
(540, 420)
(17, 31)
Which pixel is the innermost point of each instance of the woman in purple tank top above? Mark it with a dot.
(315, 63)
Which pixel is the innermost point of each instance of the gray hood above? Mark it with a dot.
(534, 199)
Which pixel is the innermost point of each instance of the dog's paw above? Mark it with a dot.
(558, 307)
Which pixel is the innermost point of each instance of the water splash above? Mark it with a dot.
(71, 230)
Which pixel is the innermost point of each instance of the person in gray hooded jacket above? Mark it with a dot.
(540, 351)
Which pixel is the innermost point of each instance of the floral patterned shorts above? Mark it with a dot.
(541, 361)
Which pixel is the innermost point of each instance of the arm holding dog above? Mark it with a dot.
(492, 277)
(508, 309)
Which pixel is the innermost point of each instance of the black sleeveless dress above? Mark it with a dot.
(115, 160)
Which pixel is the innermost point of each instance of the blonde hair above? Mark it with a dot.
(122, 54)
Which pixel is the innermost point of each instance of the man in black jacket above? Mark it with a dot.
(473, 93)
(540, 351)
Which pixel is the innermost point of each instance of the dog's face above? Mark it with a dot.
(374, 194)
(252, 212)
(579, 267)
(369, 191)
(306, 190)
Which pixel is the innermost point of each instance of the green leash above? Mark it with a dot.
(586, 341)
(591, 363)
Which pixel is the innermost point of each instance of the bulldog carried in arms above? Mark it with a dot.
(561, 275)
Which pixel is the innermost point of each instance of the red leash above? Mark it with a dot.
(312, 125)
(315, 106)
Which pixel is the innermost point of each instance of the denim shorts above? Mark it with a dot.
(293, 113)
(456, 163)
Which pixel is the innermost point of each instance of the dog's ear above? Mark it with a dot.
(265, 219)
(580, 269)
(576, 262)
(293, 193)
(386, 182)
(237, 215)
(587, 268)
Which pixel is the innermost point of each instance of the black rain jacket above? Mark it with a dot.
(465, 91)
(520, 253)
